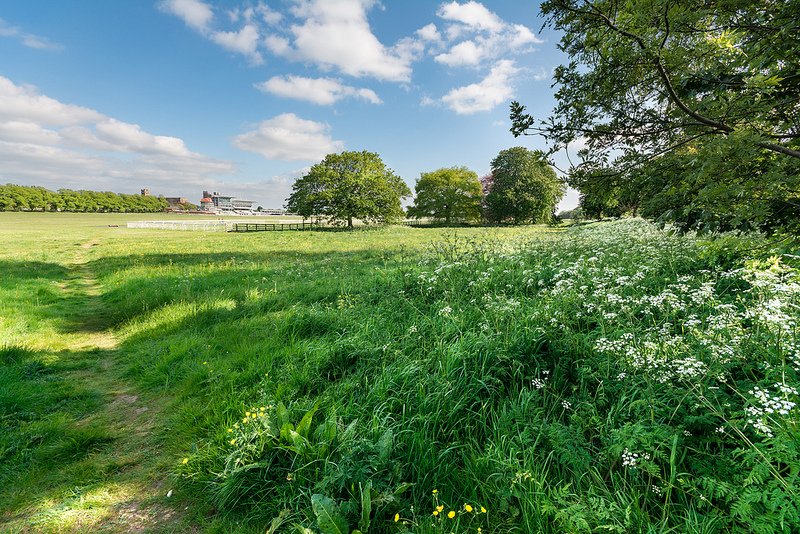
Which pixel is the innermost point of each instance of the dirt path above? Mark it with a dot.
(134, 493)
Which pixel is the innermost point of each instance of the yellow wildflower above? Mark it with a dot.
(436, 512)
(451, 514)
(186, 460)
(483, 510)
(396, 518)
(435, 491)
(468, 508)
(233, 441)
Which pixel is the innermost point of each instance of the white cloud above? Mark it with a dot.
(268, 15)
(476, 35)
(195, 14)
(28, 39)
(472, 14)
(45, 142)
(464, 53)
(322, 91)
(287, 137)
(245, 42)
(429, 33)
(492, 91)
(336, 33)
(24, 103)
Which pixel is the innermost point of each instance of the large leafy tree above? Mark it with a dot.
(524, 187)
(702, 97)
(447, 195)
(347, 186)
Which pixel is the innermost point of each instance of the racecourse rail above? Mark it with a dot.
(224, 226)
(240, 226)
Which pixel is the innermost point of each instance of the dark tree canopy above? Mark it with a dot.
(26, 198)
(695, 104)
(347, 186)
(524, 187)
(447, 195)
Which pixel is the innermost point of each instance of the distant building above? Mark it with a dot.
(177, 201)
(225, 204)
(145, 192)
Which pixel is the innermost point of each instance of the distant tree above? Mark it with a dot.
(20, 197)
(447, 195)
(524, 187)
(347, 186)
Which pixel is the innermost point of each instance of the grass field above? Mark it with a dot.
(603, 378)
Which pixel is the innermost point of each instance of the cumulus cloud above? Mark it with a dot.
(287, 137)
(429, 33)
(24, 103)
(245, 41)
(336, 34)
(476, 35)
(492, 91)
(56, 145)
(473, 15)
(196, 14)
(28, 39)
(322, 91)
(464, 53)
(331, 34)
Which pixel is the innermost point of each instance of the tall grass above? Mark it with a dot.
(603, 378)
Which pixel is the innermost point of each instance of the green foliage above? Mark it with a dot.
(25, 198)
(524, 187)
(347, 186)
(690, 105)
(448, 195)
(603, 377)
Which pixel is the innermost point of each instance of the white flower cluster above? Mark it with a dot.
(769, 405)
(631, 459)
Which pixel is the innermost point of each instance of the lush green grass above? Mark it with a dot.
(605, 378)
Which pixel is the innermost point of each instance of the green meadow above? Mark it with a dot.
(608, 377)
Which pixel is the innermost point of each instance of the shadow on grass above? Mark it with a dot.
(43, 412)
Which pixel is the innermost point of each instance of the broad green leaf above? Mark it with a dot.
(328, 518)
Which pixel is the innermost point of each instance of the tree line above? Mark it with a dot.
(35, 198)
(521, 188)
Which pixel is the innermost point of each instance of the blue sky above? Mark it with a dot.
(242, 97)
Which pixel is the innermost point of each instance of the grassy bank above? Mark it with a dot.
(605, 378)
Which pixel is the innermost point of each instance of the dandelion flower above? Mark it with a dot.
(435, 491)
(396, 518)
(451, 514)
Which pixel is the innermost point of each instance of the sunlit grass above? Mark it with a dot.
(560, 379)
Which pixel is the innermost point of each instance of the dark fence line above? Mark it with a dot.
(269, 227)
